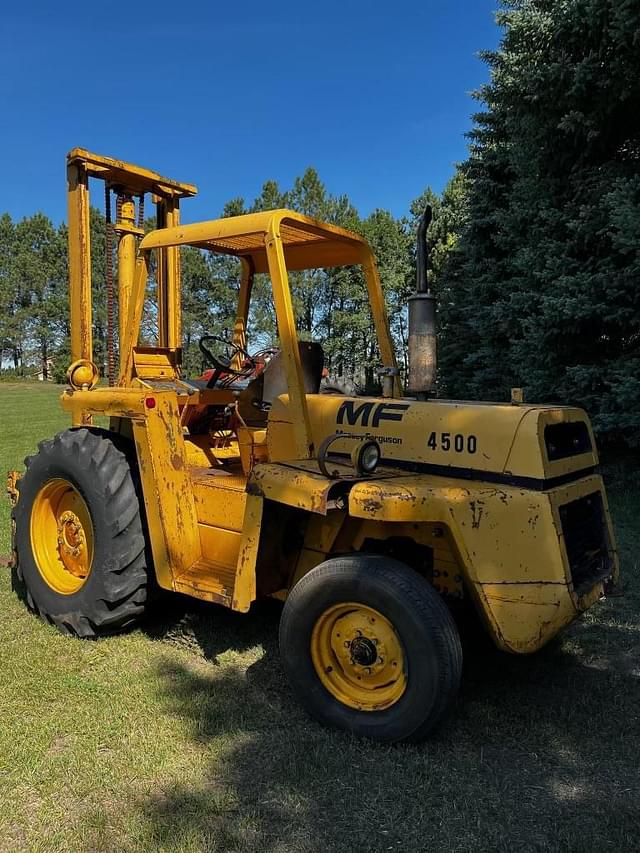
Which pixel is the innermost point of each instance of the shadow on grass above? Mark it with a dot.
(539, 754)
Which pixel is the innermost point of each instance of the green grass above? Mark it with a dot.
(182, 736)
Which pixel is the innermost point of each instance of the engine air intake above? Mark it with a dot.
(566, 439)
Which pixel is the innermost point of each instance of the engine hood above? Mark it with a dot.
(512, 443)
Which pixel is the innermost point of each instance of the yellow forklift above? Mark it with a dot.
(368, 516)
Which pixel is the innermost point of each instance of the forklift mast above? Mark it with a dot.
(130, 184)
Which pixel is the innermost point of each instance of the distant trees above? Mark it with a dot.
(331, 305)
(33, 289)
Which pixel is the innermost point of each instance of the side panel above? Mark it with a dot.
(508, 541)
(427, 547)
(319, 541)
(219, 507)
(220, 546)
(244, 591)
(169, 501)
(469, 436)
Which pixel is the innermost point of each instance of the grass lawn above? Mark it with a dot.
(183, 736)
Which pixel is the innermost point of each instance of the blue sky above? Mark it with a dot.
(375, 96)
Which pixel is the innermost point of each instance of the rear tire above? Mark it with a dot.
(80, 543)
(370, 647)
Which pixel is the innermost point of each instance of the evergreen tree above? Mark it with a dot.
(542, 284)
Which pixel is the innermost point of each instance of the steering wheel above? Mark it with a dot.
(223, 365)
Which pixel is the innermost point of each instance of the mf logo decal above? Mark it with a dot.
(370, 414)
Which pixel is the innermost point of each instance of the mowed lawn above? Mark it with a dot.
(182, 736)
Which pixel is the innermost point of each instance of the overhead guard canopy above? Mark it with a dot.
(307, 243)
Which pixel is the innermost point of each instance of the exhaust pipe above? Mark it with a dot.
(422, 323)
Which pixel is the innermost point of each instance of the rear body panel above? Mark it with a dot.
(514, 488)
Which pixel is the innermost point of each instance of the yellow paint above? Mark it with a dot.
(168, 492)
(320, 537)
(252, 445)
(301, 446)
(208, 581)
(117, 402)
(508, 439)
(154, 363)
(221, 546)
(126, 230)
(502, 536)
(480, 493)
(131, 327)
(245, 582)
(201, 452)
(242, 311)
(61, 536)
(83, 375)
(174, 283)
(528, 454)
(295, 487)
(79, 269)
(135, 178)
(358, 657)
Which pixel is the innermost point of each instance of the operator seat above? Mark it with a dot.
(255, 400)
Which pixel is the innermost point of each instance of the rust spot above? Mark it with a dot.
(477, 509)
(176, 461)
(371, 505)
(254, 489)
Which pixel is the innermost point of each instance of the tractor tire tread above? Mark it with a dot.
(402, 583)
(117, 517)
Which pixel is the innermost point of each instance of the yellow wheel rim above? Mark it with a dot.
(61, 536)
(358, 657)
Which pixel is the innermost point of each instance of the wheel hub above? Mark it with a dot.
(358, 656)
(61, 536)
(363, 651)
(72, 544)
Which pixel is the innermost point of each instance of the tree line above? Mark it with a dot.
(534, 245)
(331, 305)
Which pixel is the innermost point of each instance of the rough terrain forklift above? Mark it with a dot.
(368, 516)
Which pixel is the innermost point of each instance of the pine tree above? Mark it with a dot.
(543, 281)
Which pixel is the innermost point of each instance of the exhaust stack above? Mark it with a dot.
(422, 323)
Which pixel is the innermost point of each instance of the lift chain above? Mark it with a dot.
(111, 372)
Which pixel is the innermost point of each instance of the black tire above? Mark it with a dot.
(115, 592)
(427, 632)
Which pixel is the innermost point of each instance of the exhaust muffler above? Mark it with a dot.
(421, 382)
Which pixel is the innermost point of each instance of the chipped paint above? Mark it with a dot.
(477, 509)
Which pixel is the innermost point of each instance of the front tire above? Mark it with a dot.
(370, 647)
(79, 534)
